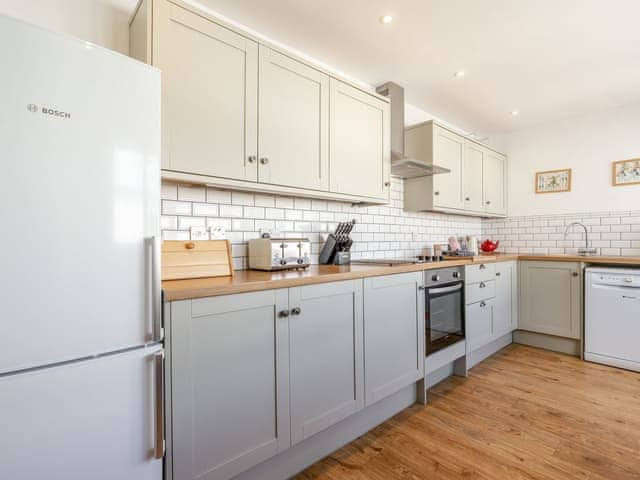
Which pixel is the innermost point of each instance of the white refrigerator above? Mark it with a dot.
(80, 303)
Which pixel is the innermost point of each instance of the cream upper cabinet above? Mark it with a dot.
(209, 95)
(359, 158)
(448, 149)
(293, 138)
(472, 172)
(475, 183)
(494, 174)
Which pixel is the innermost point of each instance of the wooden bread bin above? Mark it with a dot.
(196, 259)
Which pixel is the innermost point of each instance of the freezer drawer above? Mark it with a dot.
(93, 419)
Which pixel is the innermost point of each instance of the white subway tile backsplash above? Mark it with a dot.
(613, 233)
(205, 210)
(218, 196)
(170, 207)
(188, 193)
(230, 211)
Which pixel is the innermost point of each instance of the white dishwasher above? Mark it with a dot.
(612, 317)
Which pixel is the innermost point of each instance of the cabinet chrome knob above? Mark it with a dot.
(264, 160)
(482, 304)
(482, 266)
(483, 285)
(467, 199)
(387, 184)
(498, 274)
(435, 278)
(575, 274)
(251, 159)
(456, 274)
(436, 193)
(283, 313)
(488, 202)
(296, 311)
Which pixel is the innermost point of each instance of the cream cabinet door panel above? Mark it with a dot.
(494, 181)
(551, 298)
(209, 95)
(293, 140)
(448, 152)
(472, 177)
(359, 136)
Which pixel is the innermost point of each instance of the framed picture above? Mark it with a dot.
(553, 181)
(626, 172)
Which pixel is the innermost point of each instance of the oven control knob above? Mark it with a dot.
(435, 278)
(456, 274)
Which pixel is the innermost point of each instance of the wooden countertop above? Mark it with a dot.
(252, 280)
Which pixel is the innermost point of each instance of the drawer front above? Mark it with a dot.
(479, 324)
(479, 291)
(480, 272)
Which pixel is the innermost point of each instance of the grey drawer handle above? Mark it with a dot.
(283, 313)
(158, 450)
(498, 274)
(483, 285)
(264, 160)
(482, 266)
(296, 311)
(488, 202)
(436, 193)
(251, 159)
(575, 274)
(467, 199)
(482, 304)
(387, 184)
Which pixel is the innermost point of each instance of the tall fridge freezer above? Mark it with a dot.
(80, 323)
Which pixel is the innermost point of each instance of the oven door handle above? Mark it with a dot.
(452, 288)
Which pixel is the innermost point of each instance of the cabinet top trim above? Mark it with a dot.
(449, 129)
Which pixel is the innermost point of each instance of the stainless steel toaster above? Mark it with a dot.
(279, 253)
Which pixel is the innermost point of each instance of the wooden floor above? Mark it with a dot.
(522, 414)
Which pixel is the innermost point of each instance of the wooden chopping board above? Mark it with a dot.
(196, 259)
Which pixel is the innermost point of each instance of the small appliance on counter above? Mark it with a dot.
(337, 246)
(271, 254)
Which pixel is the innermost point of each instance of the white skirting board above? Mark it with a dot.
(485, 352)
(306, 453)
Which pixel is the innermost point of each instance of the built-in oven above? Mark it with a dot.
(444, 308)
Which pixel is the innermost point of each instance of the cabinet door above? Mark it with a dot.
(230, 383)
(505, 314)
(494, 178)
(448, 151)
(209, 95)
(479, 327)
(472, 176)
(293, 140)
(326, 355)
(359, 141)
(550, 298)
(394, 334)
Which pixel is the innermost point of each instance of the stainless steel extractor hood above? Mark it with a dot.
(401, 165)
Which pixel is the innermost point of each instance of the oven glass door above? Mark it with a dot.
(444, 316)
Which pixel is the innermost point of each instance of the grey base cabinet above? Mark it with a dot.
(394, 334)
(326, 355)
(230, 383)
(492, 302)
(551, 298)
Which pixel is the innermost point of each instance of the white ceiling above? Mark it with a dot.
(547, 58)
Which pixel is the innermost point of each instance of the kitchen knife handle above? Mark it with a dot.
(159, 447)
(156, 290)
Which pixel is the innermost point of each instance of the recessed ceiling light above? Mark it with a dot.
(515, 113)
(459, 73)
(386, 19)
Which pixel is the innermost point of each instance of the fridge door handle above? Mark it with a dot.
(159, 446)
(156, 290)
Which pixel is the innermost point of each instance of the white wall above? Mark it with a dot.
(587, 144)
(97, 21)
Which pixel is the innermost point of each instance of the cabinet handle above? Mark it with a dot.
(422, 287)
(283, 313)
(467, 199)
(482, 266)
(159, 447)
(498, 274)
(251, 159)
(387, 184)
(483, 285)
(575, 274)
(264, 160)
(482, 304)
(296, 311)
(436, 193)
(488, 202)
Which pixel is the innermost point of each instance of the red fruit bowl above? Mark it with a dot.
(488, 246)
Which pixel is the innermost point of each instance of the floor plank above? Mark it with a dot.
(524, 413)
